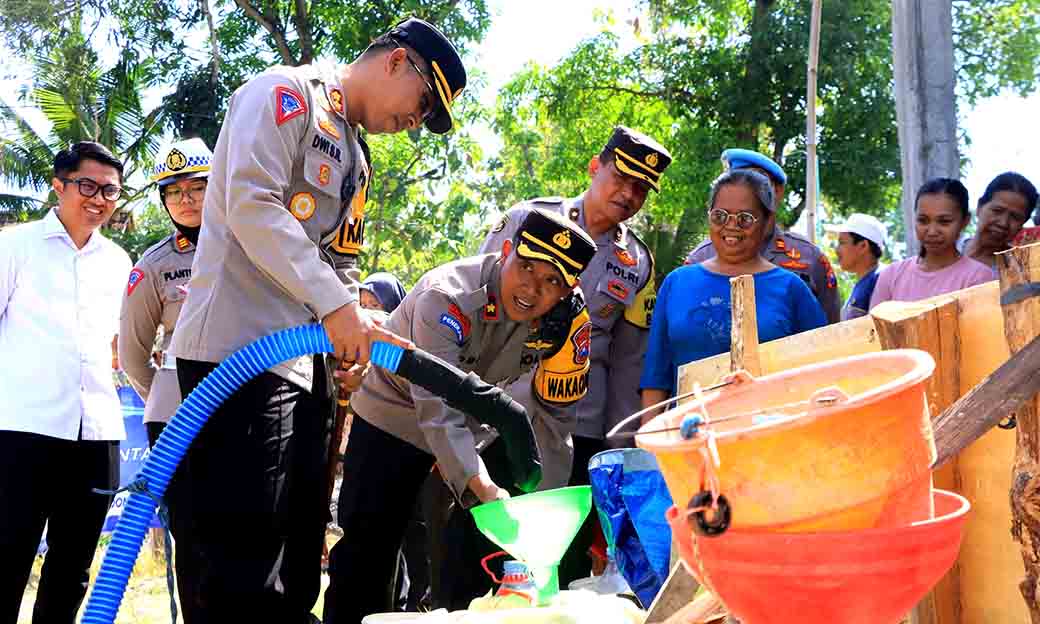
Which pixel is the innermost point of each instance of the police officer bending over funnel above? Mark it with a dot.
(497, 315)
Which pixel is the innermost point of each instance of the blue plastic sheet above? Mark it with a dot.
(631, 499)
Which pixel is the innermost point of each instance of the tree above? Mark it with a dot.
(83, 102)
(710, 74)
(424, 186)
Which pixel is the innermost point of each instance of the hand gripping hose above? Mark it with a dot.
(467, 392)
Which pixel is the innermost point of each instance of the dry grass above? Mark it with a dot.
(146, 600)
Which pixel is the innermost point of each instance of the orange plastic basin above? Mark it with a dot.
(844, 444)
(868, 576)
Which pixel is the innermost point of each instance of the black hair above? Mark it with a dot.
(69, 160)
(1015, 183)
(760, 185)
(874, 249)
(952, 189)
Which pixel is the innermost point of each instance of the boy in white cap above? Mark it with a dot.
(861, 242)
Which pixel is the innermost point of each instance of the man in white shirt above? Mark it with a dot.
(61, 284)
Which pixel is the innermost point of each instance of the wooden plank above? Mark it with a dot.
(743, 326)
(677, 592)
(1019, 270)
(997, 396)
(930, 327)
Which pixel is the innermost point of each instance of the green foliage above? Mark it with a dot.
(151, 224)
(83, 101)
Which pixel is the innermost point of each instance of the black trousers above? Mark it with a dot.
(382, 478)
(251, 495)
(45, 480)
(576, 563)
(182, 553)
(457, 545)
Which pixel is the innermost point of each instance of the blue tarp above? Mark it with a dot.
(631, 499)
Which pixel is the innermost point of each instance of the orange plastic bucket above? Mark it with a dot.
(868, 576)
(844, 444)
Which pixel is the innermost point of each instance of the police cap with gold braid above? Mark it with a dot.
(638, 156)
(446, 73)
(553, 238)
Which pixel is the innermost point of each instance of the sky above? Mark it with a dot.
(1004, 135)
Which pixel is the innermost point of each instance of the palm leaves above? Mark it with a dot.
(81, 101)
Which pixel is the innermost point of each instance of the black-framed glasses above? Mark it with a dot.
(90, 188)
(175, 195)
(720, 218)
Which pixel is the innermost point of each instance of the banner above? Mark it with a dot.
(132, 452)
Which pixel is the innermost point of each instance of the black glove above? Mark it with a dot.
(555, 326)
(490, 405)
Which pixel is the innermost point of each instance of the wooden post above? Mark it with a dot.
(1020, 303)
(931, 327)
(678, 591)
(811, 181)
(744, 328)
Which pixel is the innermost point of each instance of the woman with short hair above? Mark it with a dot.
(692, 316)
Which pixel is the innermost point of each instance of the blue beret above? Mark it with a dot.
(734, 158)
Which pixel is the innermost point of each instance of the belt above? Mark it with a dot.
(169, 361)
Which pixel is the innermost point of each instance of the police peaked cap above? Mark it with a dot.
(734, 158)
(189, 158)
(446, 69)
(639, 156)
(552, 238)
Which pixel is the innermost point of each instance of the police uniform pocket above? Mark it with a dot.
(323, 173)
(619, 286)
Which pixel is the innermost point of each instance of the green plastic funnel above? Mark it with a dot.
(537, 529)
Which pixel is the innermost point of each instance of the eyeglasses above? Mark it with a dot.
(90, 188)
(175, 195)
(428, 105)
(720, 218)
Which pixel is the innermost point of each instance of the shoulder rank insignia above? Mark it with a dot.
(490, 309)
(336, 100)
(624, 257)
(182, 243)
(288, 104)
(780, 244)
(793, 253)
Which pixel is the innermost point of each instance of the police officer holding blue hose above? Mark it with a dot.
(283, 221)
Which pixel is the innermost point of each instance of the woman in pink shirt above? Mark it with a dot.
(941, 214)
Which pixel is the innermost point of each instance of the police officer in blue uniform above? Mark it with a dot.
(785, 249)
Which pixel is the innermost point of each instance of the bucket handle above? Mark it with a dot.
(484, 564)
(616, 433)
(828, 397)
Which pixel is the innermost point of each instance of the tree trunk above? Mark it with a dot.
(214, 45)
(922, 44)
(755, 75)
(1020, 270)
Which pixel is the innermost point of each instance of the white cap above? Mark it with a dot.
(865, 225)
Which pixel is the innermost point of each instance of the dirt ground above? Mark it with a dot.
(146, 600)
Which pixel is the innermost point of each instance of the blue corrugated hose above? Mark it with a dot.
(236, 370)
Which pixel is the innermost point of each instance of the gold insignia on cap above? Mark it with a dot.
(651, 159)
(562, 239)
(176, 160)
